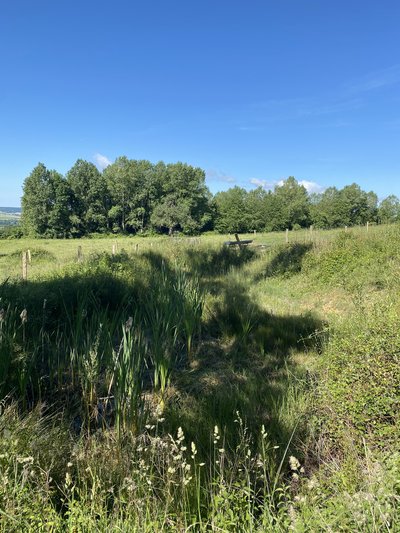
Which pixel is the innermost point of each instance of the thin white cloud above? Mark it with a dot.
(312, 109)
(101, 161)
(267, 185)
(258, 117)
(375, 80)
(216, 175)
(311, 186)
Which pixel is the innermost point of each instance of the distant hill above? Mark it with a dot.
(9, 216)
(16, 211)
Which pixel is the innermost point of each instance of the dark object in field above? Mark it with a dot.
(238, 242)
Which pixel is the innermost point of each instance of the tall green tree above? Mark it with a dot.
(327, 210)
(231, 211)
(389, 210)
(134, 188)
(358, 206)
(256, 209)
(90, 198)
(148, 180)
(34, 218)
(46, 203)
(292, 205)
(122, 190)
(59, 201)
(185, 200)
(345, 207)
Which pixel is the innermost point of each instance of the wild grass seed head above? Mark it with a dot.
(24, 316)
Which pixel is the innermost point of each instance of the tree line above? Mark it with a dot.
(135, 196)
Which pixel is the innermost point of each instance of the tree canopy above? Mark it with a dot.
(133, 196)
(129, 196)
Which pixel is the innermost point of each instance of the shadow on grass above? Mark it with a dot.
(287, 261)
(242, 363)
(214, 262)
(245, 364)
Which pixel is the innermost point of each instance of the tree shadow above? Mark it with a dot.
(240, 364)
(244, 364)
(215, 262)
(287, 262)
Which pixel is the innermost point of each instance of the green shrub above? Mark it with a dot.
(360, 389)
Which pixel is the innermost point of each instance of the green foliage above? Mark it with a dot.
(184, 200)
(214, 261)
(137, 356)
(11, 232)
(362, 494)
(50, 482)
(241, 211)
(291, 205)
(90, 199)
(389, 210)
(232, 215)
(363, 377)
(45, 203)
(349, 206)
(288, 260)
(135, 196)
(133, 187)
(355, 261)
(129, 196)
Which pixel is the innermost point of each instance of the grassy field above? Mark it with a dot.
(57, 253)
(176, 384)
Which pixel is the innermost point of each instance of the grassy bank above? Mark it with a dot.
(179, 384)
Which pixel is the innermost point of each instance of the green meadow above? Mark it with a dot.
(178, 384)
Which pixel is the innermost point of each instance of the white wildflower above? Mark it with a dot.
(294, 463)
(194, 449)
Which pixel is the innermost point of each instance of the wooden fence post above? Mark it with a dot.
(287, 236)
(24, 265)
(367, 226)
(79, 253)
(29, 257)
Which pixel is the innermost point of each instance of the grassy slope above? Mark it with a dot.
(256, 358)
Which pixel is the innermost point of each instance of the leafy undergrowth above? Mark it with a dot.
(353, 464)
(353, 260)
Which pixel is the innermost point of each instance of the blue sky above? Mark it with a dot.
(251, 92)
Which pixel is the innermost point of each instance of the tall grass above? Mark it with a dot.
(195, 389)
(128, 377)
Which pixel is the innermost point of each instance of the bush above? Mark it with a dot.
(362, 379)
(11, 232)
